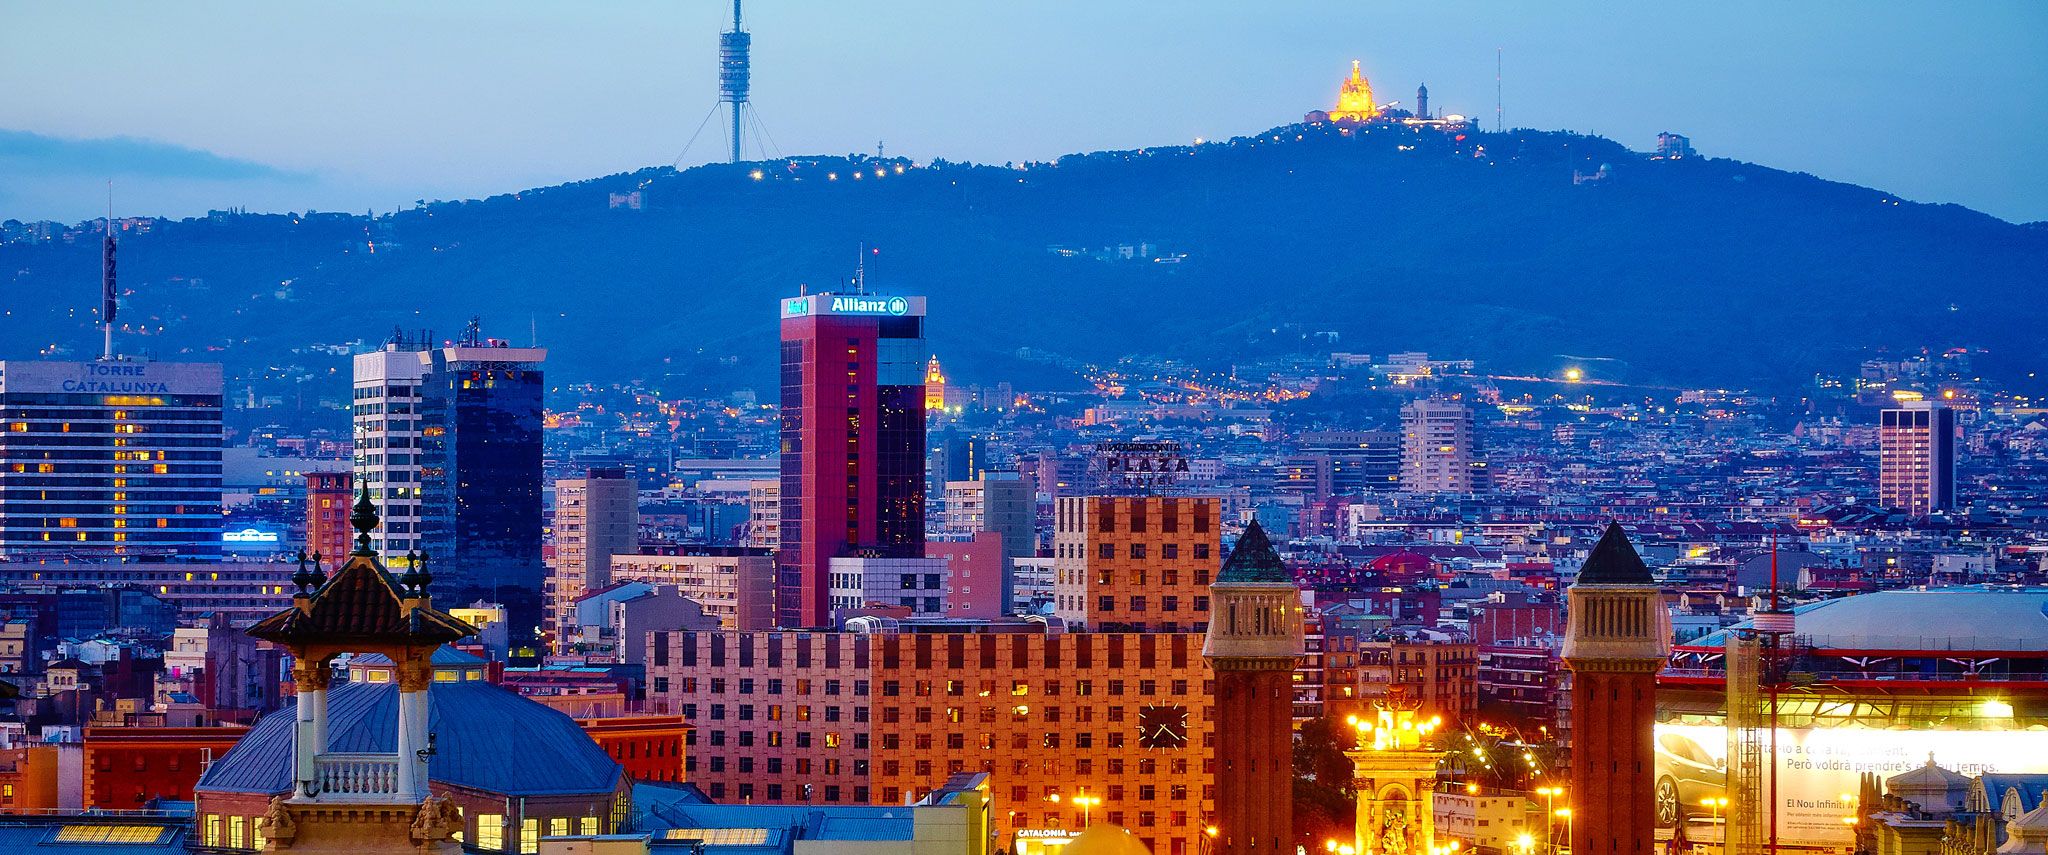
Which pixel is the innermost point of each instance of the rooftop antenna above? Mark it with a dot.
(735, 72)
(860, 270)
(108, 293)
(1499, 114)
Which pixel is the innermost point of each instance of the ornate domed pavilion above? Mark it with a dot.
(415, 752)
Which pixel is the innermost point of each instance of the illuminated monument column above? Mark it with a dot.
(1619, 636)
(372, 802)
(1254, 639)
(1394, 772)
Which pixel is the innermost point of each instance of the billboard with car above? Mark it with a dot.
(1818, 766)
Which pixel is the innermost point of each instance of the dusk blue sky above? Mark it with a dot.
(371, 105)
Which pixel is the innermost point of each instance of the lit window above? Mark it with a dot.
(529, 828)
(490, 832)
(720, 836)
(110, 833)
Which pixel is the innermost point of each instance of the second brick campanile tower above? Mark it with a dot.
(1618, 637)
(1254, 640)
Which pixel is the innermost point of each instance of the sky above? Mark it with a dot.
(372, 105)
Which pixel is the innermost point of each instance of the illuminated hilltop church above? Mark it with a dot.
(1355, 106)
(1354, 100)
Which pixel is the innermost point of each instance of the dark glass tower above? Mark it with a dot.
(448, 442)
(853, 440)
(480, 509)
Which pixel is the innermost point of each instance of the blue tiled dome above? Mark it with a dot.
(486, 739)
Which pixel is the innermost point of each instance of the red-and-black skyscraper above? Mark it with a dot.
(853, 441)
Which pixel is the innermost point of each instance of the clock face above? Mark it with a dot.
(1163, 727)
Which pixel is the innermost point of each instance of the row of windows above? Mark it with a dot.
(774, 685)
(204, 437)
(490, 831)
(1020, 688)
(920, 688)
(12, 492)
(1138, 551)
(96, 467)
(1069, 514)
(153, 408)
(833, 793)
(1138, 604)
(363, 392)
(1055, 652)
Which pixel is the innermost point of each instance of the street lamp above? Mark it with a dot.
(1526, 843)
(1086, 802)
(1714, 807)
(1549, 795)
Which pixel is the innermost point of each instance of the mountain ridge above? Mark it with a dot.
(1700, 271)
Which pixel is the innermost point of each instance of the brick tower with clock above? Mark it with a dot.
(1254, 640)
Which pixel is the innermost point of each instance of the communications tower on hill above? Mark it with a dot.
(735, 72)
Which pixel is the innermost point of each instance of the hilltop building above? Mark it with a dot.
(1672, 146)
(1355, 106)
(1354, 99)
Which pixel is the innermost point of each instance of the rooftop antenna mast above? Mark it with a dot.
(735, 72)
(108, 293)
(860, 269)
(1499, 114)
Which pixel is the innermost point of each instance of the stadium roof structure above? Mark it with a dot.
(1967, 619)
